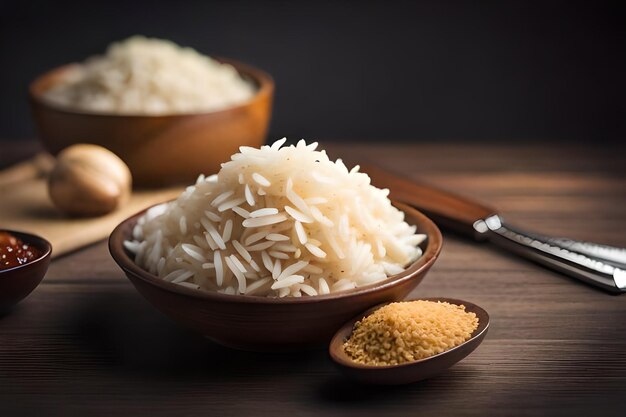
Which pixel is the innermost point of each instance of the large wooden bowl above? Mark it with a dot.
(158, 149)
(260, 323)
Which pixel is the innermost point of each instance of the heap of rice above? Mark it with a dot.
(277, 222)
(150, 76)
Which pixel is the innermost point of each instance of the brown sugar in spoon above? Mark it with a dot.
(412, 371)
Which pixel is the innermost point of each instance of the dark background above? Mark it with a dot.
(430, 70)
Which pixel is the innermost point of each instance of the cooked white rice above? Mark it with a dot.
(151, 76)
(277, 221)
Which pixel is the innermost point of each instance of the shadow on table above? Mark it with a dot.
(120, 333)
(342, 391)
(126, 334)
(338, 389)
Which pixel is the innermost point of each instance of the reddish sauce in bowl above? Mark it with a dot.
(14, 252)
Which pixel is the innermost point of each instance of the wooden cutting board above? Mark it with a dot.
(25, 206)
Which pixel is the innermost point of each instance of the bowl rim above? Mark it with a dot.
(342, 360)
(424, 262)
(32, 239)
(263, 79)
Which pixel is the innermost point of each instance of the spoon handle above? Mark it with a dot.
(446, 209)
(599, 265)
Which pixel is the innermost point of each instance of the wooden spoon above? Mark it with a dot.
(408, 372)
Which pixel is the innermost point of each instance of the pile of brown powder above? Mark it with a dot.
(408, 331)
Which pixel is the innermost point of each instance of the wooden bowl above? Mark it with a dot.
(159, 150)
(408, 372)
(17, 282)
(269, 324)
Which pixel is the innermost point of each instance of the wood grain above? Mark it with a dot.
(85, 343)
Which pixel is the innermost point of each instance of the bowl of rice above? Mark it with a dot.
(277, 250)
(168, 112)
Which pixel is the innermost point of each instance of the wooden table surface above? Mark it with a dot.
(85, 343)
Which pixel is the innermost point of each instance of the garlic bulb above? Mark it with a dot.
(89, 180)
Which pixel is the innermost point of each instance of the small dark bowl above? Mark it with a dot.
(268, 324)
(408, 372)
(17, 282)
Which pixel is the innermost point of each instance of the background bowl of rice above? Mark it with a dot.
(261, 323)
(159, 149)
